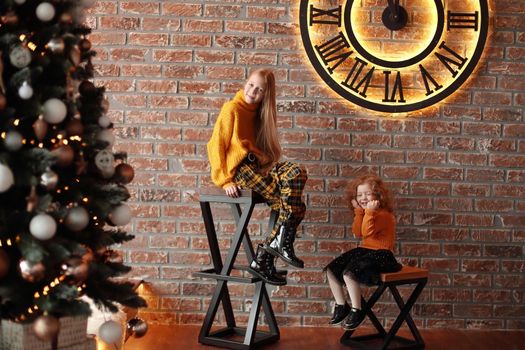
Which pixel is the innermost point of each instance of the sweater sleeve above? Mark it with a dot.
(218, 147)
(370, 225)
(358, 222)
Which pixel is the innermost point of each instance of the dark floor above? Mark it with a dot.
(309, 338)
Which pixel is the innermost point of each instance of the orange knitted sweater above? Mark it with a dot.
(232, 139)
(376, 228)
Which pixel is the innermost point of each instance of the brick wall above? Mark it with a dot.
(457, 169)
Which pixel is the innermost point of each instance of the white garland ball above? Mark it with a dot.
(43, 226)
(110, 332)
(45, 12)
(106, 135)
(54, 111)
(13, 141)
(6, 178)
(121, 215)
(77, 219)
(20, 2)
(25, 91)
(104, 121)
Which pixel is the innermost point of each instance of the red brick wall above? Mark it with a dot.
(458, 169)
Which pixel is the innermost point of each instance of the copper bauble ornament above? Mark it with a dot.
(40, 128)
(31, 272)
(46, 327)
(3, 102)
(64, 155)
(124, 173)
(136, 327)
(74, 55)
(84, 44)
(9, 19)
(66, 18)
(76, 269)
(49, 179)
(4, 263)
(74, 127)
(86, 87)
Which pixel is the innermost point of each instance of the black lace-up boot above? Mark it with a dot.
(282, 246)
(354, 319)
(340, 313)
(263, 267)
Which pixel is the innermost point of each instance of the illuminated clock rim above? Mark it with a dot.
(439, 96)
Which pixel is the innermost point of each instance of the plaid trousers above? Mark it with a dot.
(282, 188)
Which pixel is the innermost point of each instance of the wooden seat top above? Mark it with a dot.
(406, 273)
(215, 194)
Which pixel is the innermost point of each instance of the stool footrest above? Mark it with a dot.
(224, 337)
(210, 273)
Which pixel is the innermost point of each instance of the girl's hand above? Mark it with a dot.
(232, 191)
(355, 204)
(372, 205)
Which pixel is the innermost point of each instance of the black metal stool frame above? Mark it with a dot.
(404, 315)
(242, 208)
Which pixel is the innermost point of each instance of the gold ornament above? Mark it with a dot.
(84, 44)
(76, 269)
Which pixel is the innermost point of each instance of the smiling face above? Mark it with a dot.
(254, 89)
(364, 194)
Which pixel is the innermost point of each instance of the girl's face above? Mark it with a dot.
(254, 89)
(364, 194)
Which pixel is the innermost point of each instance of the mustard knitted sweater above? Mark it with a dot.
(232, 138)
(377, 228)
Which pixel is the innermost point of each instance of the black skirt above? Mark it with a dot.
(363, 265)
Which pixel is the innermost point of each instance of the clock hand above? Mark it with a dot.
(394, 9)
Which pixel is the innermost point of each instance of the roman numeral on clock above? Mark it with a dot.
(352, 79)
(452, 59)
(426, 78)
(396, 90)
(462, 20)
(330, 16)
(332, 50)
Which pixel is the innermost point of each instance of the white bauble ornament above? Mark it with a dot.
(20, 2)
(104, 160)
(6, 178)
(43, 226)
(54, 111)
(110, 332)
(121, 215)
(20, 56)
(45, 12)
(106, 135)
(25, 91)
(13, 141)
(77, 219)
(104, 121)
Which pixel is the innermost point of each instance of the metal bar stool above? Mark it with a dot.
(407, 275)
(232, 336)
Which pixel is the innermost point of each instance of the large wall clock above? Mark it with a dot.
(393, 56)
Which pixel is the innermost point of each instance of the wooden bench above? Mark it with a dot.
(232, 336)
(407, 275)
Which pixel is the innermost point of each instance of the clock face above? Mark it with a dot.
(393, 56)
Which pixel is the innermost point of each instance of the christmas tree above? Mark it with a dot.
(62, 189)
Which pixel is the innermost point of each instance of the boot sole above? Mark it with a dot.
(275, 253)
(261, 276)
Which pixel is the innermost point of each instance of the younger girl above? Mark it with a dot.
(375, 224)
(244, 152)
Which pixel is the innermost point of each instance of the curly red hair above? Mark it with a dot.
(381, 191)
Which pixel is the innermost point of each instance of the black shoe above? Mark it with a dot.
(340, 313)
(354, 319)
(282, 246)
(263, 267)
